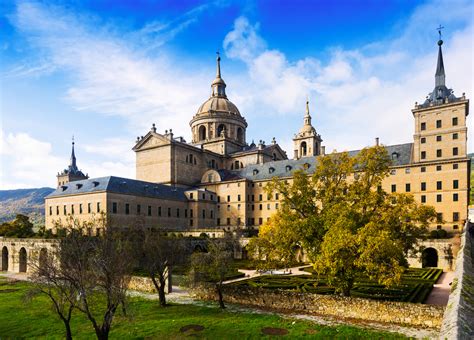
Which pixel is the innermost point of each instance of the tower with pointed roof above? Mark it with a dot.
(72, 172)
(440, 122)
(307, 142)
(218, 125)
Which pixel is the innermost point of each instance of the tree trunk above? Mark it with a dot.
(221, 298)
(161, 293)
(68, 329)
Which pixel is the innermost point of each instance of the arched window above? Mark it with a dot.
(237, 165)
(220, 130)
(190, 159)
(23, 260)
(303, 149)
(240, 135)
(255, 172)
(4, 259)
(274, 156)
(202, 133)
(288, 168)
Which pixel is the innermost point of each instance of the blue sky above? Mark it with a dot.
(104, 71)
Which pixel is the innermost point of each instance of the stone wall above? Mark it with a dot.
(400, 313)
(145, 284)
(458, 322)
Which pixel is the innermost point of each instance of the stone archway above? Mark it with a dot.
(23, 257)
(4, 259)
(303, 149)
(429, 258)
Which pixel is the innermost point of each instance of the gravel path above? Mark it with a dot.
(440, 293)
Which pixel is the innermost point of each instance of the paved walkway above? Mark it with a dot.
(440, 293)
(249, 273)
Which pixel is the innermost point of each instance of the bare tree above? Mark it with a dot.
(48, 279)
(214, 266)
(159, 254)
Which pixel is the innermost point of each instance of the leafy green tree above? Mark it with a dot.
(20, 227)
(347, 225)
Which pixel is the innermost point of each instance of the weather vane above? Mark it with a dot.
(439, 31)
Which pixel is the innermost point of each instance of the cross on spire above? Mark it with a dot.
(439, 31)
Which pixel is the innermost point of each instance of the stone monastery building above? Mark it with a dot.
(217, 181)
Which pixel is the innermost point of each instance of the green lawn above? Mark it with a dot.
(20, 319)
(415, 286)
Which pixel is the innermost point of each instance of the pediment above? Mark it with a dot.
(151, 140)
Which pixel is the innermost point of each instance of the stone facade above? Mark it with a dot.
(434, 167)
(399, 313)
(17, 253)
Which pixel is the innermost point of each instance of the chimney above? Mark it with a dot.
(377, 141)
(323, 150)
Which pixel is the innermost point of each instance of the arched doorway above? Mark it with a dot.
(202, 133)
(429, 258)
(303, 149)
(43, 258)
(5, 259)
(23, 259)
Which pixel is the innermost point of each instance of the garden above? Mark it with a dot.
(415, 285)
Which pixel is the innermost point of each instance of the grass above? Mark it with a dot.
(146, 319)
(415, 286)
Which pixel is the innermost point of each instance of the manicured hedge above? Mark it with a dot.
(415, 286)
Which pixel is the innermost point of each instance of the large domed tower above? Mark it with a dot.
(307, 142)
(218, 125)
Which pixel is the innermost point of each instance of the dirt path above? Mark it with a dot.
(440, 293)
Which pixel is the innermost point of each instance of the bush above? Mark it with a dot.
(442, 233)
(434, 234)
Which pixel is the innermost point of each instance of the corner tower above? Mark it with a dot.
(218, 125)
(307, 142)
(440, 122)
(72, 172)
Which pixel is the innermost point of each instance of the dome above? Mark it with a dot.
(218, 104)
(307, 129)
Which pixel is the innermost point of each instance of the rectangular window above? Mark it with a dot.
(50, 211)
(438, 138)
(394, 188)
(423, 140)
(423, 155)
(89, 208)
(57, 210)
(191, 213)
(218, 199)
(191, 195)
(98, 207)
(439, 217)
(455, 121)
(439, 198)
(423, 186)
(169, 212)
(277, 196)
(423, 126)
(439, 153)
(392, 172)
(268, 206)
(228, 198)
(407, 187)
(203, 213)
(186, 213)
(438, 124)
(191, 223)
(228, 220)
(253, 198)
(455, 151)
(238, 206)
(455, 184)
(218, 221)
(260, 197)
(276, 205)
(228, 207)
(252, 220)
(177, 212)
(423, 169)
(455, 166)
(455, 197)
(455, 227)
(238, 221)
(212, 213)
(203, 196)
(455, 216)
(423, 198)
(72, 209)
(149, 210)
(439, 185)
(260, 221)
(253, 207)
(80, 208)
(139, 208)
(407, 170)
(439, 168)
(114, 207)
(127, 209)
(238, 198)
(260, 206)
(159, 211)
(455, 135)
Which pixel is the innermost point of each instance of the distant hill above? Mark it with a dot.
(28, 202)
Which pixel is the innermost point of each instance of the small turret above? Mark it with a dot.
(72, 172)
(307, 142)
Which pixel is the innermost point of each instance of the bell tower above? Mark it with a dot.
(307, 142)
(72, 172)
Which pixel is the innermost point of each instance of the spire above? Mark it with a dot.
(440, 75)
(218, 85)
(307, 117)
(73, 165)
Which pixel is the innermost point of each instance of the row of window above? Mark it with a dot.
(439, 138)
(90, 209)
(250, 221)
(203, 196)
(260, 206)
(439, 153)
(251, 198)
(439, 123)
(423, 169)
(439, 198)
(439, 217)
(159, 211)
(439, 186)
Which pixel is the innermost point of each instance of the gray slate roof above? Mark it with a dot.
(401, 155)
(121, 185)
